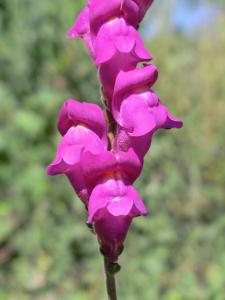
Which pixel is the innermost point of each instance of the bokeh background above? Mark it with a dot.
(46, 251)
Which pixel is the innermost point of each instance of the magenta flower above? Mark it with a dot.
(81, 28)
(119, 37)
(98, 12)
(137, 80)
(123, 50)
(101, 12)
(112, 206)
(136, 108)
(73, 113)
(83, 129)
(112, 25)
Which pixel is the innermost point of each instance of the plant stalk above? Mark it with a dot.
(110, 280)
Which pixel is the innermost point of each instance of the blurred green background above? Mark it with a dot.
(46, 251)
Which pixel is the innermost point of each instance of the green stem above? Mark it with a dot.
(110, 281)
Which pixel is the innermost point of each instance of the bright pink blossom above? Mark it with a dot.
(123, 50)
(132, 82)
(112, 206)
(136, 107)
(98, 12)
(102, 11)
(83, 129)
(73, 113)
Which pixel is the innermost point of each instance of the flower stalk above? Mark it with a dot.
(110, 271)
(102, 151)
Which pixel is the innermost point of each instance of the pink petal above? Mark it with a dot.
(100, 197)
(112, 231)
(110, 69)
(71, 155)
(106, 52)
(73, 113)
(124, 44)
(123, 35)
(78, 182)
(58, 167)
(102, 11)
(172, 122)
(116, 35)
(160, 113)
(120, 206)
(141, 144)
(73, 143)
(136, 117)
(132, 194)
(81, 28)
(95, 167)
(129, 164)
(117, 197)
(81, 25)
(103, 193)
(127, 82)
(84, 137)
(141, 51)
(94, 205)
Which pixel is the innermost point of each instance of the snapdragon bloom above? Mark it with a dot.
(112, 206)
(114, 26)
(78, 123)
(102, 157)
(136, 107)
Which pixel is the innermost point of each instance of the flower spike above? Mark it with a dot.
(102, 157)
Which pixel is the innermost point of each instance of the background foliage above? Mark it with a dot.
(46, 251)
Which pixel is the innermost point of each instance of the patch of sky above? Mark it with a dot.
(189, 17)
(186, 16)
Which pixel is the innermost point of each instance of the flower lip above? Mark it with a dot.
(73, 113)
(71, 147)
(103, 11)
(128, 202)
(132, 81)
(81, 26)
(117, 36)
(142, 114)
(135, 114)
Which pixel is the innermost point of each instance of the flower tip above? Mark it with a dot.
(173, 122)
(72, 33)
(145, 214)
(148, 56)
(97, 61)
(49, 170)
(180, 124)
(69, 102)
(90, 219)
